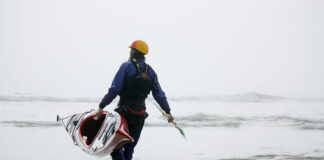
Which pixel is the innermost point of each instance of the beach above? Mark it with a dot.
(236, 130)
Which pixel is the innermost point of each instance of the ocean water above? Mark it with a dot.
(234, 127)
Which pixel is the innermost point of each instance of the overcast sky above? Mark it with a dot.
(197, 47)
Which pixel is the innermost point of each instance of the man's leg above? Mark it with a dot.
(118, 154)
(135, 130)
(129, 148)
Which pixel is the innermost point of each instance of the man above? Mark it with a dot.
(133, 82)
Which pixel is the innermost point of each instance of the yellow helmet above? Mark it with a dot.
(140, 46)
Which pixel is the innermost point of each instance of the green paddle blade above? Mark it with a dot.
(180, 130)
(182, 133)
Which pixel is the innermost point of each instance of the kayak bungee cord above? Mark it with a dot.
(166, 115)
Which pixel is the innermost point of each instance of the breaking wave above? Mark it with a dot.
(299, 122)
(303, 156)
(23, 124)
(206, 120)
(246, 97)
(30, 98)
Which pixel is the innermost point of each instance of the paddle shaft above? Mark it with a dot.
(167, 115)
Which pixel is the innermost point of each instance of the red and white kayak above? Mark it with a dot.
(97, 136)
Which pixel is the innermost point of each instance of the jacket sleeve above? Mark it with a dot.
(115, 87)
(159, 96)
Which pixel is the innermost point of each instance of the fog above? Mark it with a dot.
(205, 47)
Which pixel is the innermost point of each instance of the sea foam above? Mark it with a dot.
(245, 97)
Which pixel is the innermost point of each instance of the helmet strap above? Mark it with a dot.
(132, 53)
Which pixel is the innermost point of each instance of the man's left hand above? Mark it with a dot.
(170, 118)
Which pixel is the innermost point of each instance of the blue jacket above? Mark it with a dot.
(128, 70)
